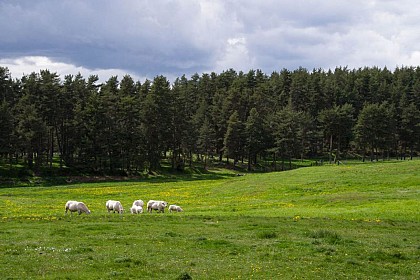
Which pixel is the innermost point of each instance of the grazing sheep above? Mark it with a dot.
(135, 209)
(74, 206)
(158, 205)
(164, 203)
(175, 208)
(149, 204)
(115, 206)
(138, 202)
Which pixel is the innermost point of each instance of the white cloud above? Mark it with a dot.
(235, 55)
(28, 64)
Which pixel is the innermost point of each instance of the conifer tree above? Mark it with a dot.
(233, 141)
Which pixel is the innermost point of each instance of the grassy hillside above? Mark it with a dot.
(334, 222)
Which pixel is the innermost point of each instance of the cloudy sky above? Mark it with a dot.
(175, 37)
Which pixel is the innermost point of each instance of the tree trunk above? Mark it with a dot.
(191, 155)
(338, 150)
(404, 150)
(274, 161)
(205, 160)
(173, 158)
(372, 151)
(331, 144)
(411, 151)
(249, 161)
(30, 159)
(52, 147)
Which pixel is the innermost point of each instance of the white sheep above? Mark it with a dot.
(175, 208)
(74, 206)
(115, 206)
(158, 205)
(138, 202)
(135, 209)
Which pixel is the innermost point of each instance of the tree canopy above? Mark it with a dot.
(128, 126)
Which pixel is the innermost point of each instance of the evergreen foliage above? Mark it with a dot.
(125, 126)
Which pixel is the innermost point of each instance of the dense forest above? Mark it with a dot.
(127, 126)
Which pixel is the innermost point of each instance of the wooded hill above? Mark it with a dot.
(128, 126)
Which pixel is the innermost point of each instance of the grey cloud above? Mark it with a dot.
(138, 35)
(177, 37)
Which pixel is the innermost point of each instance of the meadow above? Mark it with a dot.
(353, 221)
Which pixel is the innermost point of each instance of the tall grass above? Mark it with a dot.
(334, 222)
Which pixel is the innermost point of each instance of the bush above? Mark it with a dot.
(329, 236)
(184, 276)
(267, 235)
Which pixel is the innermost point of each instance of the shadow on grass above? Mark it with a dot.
(19, 177)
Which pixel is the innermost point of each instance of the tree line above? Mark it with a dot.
(129, 126)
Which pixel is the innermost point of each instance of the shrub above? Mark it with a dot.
(184, 276)
(329, 236)
(267, 235)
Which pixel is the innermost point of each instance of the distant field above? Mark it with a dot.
(357, 221)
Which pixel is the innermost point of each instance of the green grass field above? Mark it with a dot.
(329, 222)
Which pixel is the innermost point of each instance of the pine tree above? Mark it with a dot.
(288, 134)
(409, 130)
(254, 133)
(337, 124)
(233, 141)
(6, 129)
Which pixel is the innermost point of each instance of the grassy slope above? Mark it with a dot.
(334, 222)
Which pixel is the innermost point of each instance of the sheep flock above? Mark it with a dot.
(115, 206)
